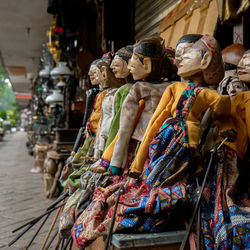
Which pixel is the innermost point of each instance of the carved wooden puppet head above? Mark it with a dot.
(202, 62)
(120, 62)
(244, 68)
(106, 77)
(231, 83)
(150, 61)
(235, 86)
(183, 44)
(92, 72)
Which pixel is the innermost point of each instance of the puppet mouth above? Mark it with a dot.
(242, 72)
(115, 72)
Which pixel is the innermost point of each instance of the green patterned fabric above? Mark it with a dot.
(84, 150)
(74, 178)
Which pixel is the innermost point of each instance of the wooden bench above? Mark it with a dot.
(153, 241)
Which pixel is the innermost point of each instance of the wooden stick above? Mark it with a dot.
(198, 242)
(58, 243)
(51, 240)
(51, 228)
(54, 185)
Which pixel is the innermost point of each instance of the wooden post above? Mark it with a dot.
(238, 34)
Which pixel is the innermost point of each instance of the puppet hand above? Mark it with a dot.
(115, 170)
(133, 175)
(230, 134)
(196, 154)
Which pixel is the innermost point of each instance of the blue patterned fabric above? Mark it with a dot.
(150, 196)
(224, 224)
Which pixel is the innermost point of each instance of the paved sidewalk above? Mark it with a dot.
(21, 193)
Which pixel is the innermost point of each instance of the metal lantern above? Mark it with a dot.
(61, 70)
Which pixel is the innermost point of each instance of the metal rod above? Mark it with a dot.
(37, 218)
(62, 243)
(120, 191)
(58, 200)
(38, 230)
(29, 226)
(71, 244)
(222, 143)
(69, 240)
(213, 153)
(21, 234)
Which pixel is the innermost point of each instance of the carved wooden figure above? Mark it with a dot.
(149, 63)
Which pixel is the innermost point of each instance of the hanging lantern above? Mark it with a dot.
(44, 73)
(61, 70)
(56, 97)
(61, 84)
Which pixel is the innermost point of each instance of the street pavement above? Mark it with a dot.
(21, 194)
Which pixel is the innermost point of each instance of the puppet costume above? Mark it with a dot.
(147, 203)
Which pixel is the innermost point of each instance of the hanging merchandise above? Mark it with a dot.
(44, 73)
(53, 43)
(231, 11)
(244, 7)
(61, 84)
(55, 97)
(61, 70)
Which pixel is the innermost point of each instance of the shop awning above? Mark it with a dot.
(189, 17)
(23, 25)
(23, 96)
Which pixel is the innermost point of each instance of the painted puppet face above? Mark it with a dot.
(138, 69)
(119, 67)
(188, 62)
(235, 87)
(92, 75)
(99, 77)
(180, 49)
(244, 67)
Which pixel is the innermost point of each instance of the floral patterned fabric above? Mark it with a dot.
(147, 203)
(185, 103)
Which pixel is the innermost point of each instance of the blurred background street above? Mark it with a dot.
(21, 196)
